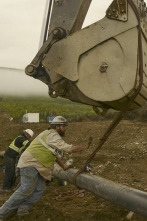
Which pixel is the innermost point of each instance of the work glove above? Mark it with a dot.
(68, 164)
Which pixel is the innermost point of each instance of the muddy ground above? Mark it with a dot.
(122, 159)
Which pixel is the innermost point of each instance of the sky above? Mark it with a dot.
(21, 23)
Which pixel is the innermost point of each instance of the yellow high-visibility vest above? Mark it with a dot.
(17, 149)
(41, 151)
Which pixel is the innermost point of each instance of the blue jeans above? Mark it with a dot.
(31, 189)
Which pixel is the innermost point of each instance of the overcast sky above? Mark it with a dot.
(21, 24)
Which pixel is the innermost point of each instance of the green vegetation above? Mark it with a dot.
(45, 106)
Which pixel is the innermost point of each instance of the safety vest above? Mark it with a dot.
(17, 149)
(41, 151)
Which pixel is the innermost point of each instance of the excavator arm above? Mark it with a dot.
(100, 64)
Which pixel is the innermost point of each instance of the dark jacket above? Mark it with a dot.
(18, 143)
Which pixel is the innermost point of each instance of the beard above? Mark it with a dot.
(61, 133)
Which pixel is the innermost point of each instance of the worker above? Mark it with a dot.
(36, 164)
(11, 156)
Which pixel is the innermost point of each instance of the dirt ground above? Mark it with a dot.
(121, 159)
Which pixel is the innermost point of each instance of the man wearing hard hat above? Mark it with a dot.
(14, 150)
(36, 164)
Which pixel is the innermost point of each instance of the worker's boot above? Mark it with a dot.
(22, 212)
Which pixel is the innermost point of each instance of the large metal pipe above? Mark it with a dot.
(129, 198)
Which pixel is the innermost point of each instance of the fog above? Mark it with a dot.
(16, 82)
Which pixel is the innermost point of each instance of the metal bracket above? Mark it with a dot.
(118, 10)
(56, 35)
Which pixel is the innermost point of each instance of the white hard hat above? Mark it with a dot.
(59, 120)
(30, 132)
